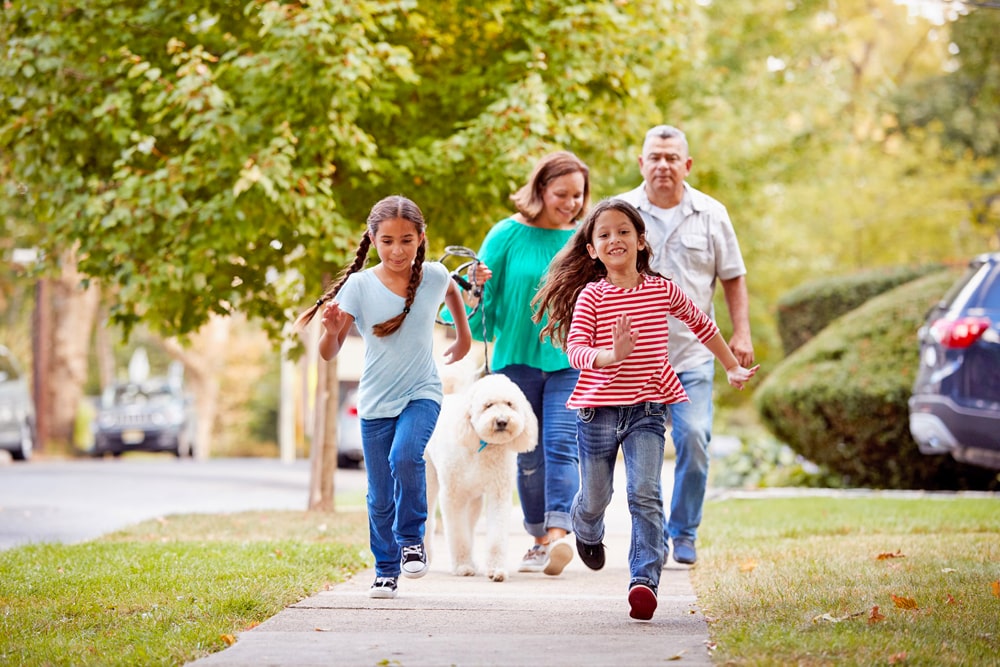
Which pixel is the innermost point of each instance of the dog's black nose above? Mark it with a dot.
(501, 423)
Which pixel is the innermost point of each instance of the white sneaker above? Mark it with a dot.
(383, 588)
(535, 560)
(414, 561)
(560, 554)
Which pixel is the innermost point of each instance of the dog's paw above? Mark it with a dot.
(498, 574)
(465, 570)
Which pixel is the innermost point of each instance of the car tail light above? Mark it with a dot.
(960, 333)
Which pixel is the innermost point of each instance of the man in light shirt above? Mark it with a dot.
(694, 244)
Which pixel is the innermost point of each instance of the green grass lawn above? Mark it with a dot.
(782, 582)
(167, 591)
(869, 580)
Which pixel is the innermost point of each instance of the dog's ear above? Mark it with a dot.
(464, 431)
(528, 439)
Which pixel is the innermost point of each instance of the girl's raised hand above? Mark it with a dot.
(738, 376)
(333, 317)
(623, 337)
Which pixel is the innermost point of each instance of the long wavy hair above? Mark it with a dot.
(390, 208)
(573, 267)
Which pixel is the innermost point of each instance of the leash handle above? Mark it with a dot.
(474, 287)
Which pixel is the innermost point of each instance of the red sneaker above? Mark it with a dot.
(641, 602)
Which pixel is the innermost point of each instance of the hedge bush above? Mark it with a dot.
(809, 308)
(841, 399)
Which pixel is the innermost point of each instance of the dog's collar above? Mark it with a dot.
(482, 445)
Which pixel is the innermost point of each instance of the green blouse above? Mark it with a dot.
(518, 255)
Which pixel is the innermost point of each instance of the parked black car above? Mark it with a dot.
(17, 409)
(955, 404)
(153, 416)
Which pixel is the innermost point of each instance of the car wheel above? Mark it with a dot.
(344, 461)
(23, 452)
(184, 446)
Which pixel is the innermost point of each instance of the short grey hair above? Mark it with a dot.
(666, 132)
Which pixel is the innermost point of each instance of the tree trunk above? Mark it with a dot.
(73, 312)
(203, 364)
(323, 452)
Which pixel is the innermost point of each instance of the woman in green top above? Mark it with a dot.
(518, 250)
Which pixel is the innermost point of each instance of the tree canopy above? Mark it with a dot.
(214, 157)
(209, 157)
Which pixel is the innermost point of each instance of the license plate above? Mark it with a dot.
(133, 437)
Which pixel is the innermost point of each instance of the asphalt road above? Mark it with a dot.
(78, 500)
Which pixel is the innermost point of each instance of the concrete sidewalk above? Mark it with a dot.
(579, 618)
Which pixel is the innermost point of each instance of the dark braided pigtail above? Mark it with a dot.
(360, 257)
(391, 325)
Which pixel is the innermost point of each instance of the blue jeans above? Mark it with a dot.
(549, 475)
(640, 432)
(691, 432)
(397, 481)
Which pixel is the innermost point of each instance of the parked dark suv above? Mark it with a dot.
(151, 416)
(955, 406)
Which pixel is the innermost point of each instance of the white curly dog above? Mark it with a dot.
(471, 465)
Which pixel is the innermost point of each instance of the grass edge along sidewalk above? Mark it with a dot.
(872, 579)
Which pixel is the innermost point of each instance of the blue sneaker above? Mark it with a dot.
(684, 551)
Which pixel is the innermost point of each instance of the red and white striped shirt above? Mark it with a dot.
(646, 374)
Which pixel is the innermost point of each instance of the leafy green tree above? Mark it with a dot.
(961, 105)
(205, 158)
(193, 151)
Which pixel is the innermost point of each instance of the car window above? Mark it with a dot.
(961, 292)
(133, 394)
(991, 295)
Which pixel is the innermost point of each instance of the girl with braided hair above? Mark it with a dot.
(394, 305)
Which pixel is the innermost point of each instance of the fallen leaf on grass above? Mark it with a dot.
(948, 570)
(886, 556)
(995, 587)
(830, 618)
(897, 658)
(951, 600)
(229, 640)
(748, 566)
(904, 603)
(874, 616)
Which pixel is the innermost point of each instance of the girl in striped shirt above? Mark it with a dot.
(608, 309)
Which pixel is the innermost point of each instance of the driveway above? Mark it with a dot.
(78, 500)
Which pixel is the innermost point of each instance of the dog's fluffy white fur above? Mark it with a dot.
(467, 476)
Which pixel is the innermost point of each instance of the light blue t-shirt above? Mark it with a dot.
(398, 368)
